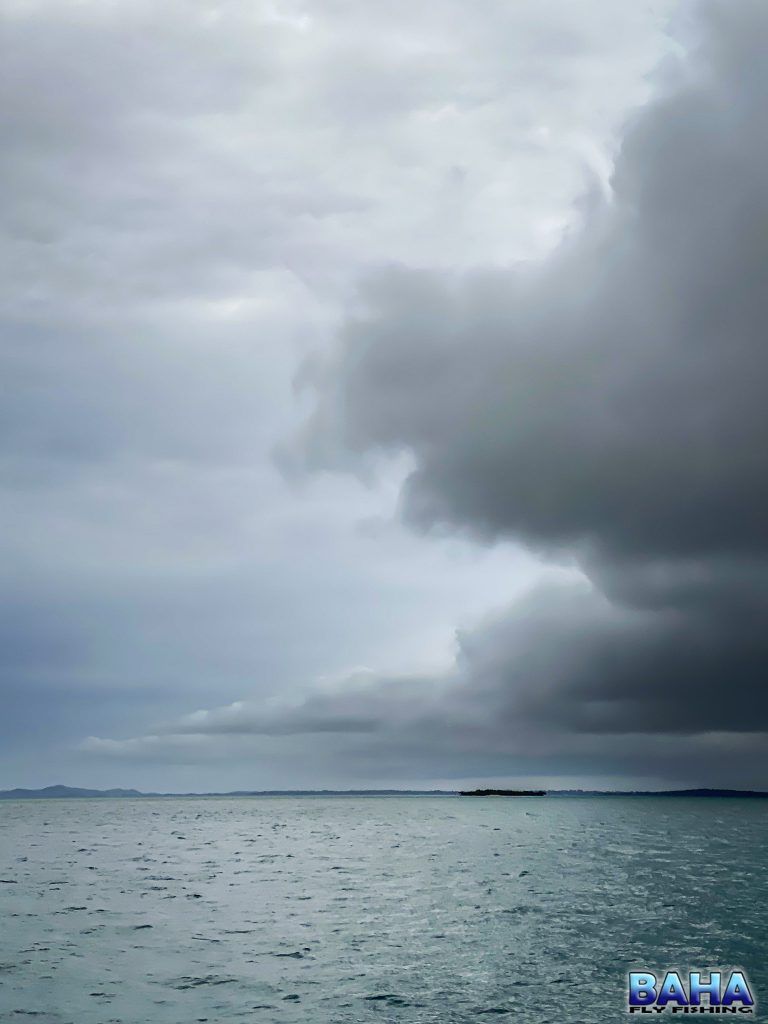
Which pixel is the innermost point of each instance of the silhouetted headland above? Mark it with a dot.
(503, 792)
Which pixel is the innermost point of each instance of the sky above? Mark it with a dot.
(383, 393)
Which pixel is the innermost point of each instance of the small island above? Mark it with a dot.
(503, 792)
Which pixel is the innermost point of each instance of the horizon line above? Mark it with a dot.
(60, 791)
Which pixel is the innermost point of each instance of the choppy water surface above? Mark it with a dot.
(379, 909)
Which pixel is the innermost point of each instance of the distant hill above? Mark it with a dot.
(55, 792)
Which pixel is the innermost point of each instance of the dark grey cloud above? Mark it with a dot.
(613, 397)
(608, 405)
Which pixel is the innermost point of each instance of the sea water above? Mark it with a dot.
(412, 909)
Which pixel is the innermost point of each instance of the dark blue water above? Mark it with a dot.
(338, 910)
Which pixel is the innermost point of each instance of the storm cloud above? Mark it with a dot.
(607, 405)
(612, 399)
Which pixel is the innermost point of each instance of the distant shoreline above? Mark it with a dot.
(75, 793)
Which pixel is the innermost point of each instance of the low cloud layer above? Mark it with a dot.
(606, 407)
(565, 683)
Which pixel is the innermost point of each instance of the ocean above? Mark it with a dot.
(340, 910)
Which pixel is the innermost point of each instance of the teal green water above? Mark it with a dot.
(343, 910)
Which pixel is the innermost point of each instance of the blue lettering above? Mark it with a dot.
(672, 990)
(737, 991)
(642, 990)
(711, 987)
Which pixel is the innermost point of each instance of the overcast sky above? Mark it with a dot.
(383, 393)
